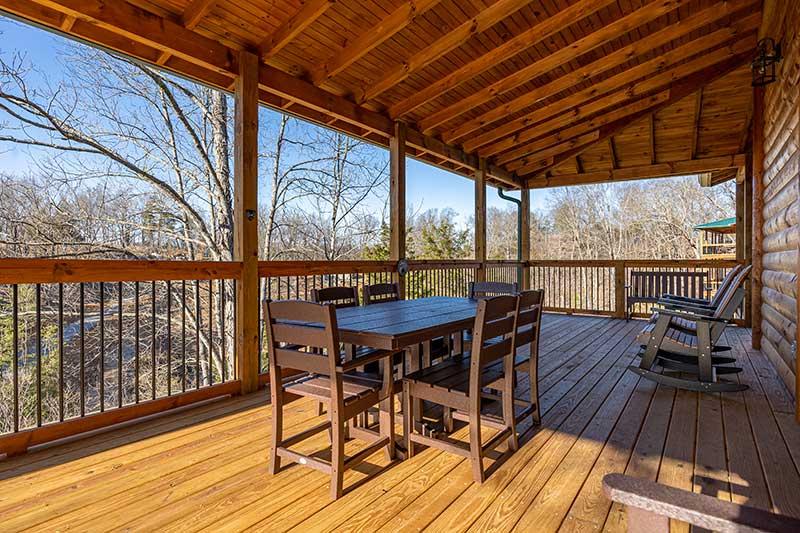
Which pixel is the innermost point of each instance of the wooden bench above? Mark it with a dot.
(649, 286)
(651, 505)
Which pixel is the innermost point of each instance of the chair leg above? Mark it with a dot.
(337, 459)
(408, 420)
(475, 451)
(386, 425)
(447, 418)
(320, 409)
(277, 428)
(508, 414)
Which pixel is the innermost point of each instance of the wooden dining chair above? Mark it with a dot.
(526, 349)
(458, 383)
(381, 292)
(340, 297)
(330, 379)
(487, 289)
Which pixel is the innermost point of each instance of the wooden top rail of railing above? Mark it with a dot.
(636, 263)
(19, 271)
(302, 268)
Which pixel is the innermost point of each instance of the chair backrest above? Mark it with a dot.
(341, 297)
(494, 337)
(726, 307)
(487, 289)
(725, 284)
(730, 302)
(302, 336)
(529, 320)
(381, 292)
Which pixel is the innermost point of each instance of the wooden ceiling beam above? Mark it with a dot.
(138, 33)
(679, 90)
(303, 18)
(507, 50)
(195, 12)
(604, 35)
(610, 61)
(525, 164)
(579, 128)
(481, 22)
(698, 109)
(139, 25)
(659, 170)
(648, 74)
(370, 39)
(612, 153)
(651, 126)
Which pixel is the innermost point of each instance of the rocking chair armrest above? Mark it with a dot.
(692, 317)
(701, 301)
(676, 306)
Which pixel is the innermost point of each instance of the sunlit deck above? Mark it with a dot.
(206, 468)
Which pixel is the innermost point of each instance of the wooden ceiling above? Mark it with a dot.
(550, 92)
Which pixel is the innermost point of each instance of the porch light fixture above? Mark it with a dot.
(768, 55)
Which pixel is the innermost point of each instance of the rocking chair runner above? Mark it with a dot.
(329, 379)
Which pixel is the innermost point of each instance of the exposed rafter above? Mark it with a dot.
(673, 168)
(604, 64)
(519, 77)
(612, 153)
(651, 133)
(131, 30)
(698, 110)
(507, 50)
(190, 19)
(371, 38)
(479, 23)
(651, 74)
(305, 16)
(678, 91)
(567, 133)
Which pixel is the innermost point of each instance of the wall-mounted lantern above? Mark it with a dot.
(768, 55)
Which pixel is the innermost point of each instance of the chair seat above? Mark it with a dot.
(453, 374)
(356, 385)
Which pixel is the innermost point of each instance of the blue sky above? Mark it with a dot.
(427, 186)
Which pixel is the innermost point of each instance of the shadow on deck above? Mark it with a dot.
(205, 467)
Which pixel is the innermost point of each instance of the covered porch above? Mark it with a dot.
(204, 468)
(559, 94)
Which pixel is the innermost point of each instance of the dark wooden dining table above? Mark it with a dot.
(405, 324)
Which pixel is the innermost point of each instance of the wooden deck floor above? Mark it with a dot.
(205, 468)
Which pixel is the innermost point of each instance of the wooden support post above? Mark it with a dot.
(758, 213)
(740, 218)
(480, 219)
(397, 199)
(246, 219)
(619, 289)
(748, 236)
(525, 248)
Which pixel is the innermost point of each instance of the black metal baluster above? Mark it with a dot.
(60, 352)
(211, 330)
(169, 338)
(82, 304)
(15, 343)
(153, 346)
(198, 323)
(137, 349)
(224, 352)
(38, 354)
(183, 335)
(102, 361)
(119, 344)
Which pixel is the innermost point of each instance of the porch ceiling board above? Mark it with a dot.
(527, 84)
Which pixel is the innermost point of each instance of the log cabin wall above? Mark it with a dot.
(781, 199)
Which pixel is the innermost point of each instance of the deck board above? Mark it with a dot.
(205, 468)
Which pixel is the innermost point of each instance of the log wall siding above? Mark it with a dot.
(781, 200)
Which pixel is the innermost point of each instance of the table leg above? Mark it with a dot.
(412, 365)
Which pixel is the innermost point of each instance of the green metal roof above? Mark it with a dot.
(718, 224)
